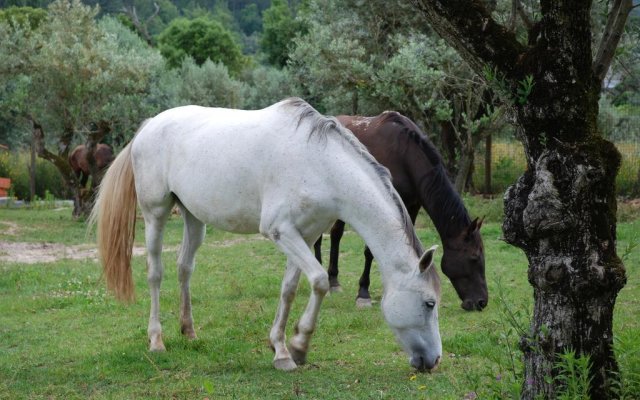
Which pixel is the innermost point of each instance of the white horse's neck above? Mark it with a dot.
(370, 204)
(387, 231)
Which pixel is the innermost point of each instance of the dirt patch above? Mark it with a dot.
(35, 253)
(11, 228)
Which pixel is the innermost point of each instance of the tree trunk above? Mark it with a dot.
(32, 171)
(465, 167)
(487, 164)
(449, 141)
(562, 211)
(60, 161)
(562, 214)
(354, 101)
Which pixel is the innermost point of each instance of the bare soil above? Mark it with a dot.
(36, 253)
(46, 252)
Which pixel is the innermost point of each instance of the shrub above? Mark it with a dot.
(15, 166)
(268, 85)
(201, 39)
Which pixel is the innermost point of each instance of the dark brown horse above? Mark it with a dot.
(419, 177)
(103, 156)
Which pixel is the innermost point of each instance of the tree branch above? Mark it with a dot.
(514, 15)
(155, 13)
(38, 139)
(140, 26)
(611, 37)
(528, 23)
(469, 27)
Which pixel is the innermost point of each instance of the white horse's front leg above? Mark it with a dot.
(277, 337)
(300, 255)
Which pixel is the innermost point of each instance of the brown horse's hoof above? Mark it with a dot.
(335, 289)
(363, 303)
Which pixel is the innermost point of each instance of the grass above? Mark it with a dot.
(508, 162)
(63, 336)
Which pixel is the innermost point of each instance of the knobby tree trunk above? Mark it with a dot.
(562, 211)
(60, 160)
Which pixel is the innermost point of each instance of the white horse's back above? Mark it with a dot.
(226, 165)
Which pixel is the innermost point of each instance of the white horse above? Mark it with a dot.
(287, 172)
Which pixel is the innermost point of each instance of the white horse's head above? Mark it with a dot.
(411, 310)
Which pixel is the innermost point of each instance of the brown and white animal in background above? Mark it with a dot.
(103, 156)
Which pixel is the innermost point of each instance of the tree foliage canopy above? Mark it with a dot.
(201, 38)
(279, 28)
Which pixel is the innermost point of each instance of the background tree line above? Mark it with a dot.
(343, 56)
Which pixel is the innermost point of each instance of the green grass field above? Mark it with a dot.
(63, 337)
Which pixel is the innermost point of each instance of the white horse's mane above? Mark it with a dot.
(322, 126)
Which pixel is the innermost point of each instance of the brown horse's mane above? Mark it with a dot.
(435, 185)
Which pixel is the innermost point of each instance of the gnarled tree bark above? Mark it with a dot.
(562, 211)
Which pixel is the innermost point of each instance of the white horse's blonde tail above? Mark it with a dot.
(114, 212)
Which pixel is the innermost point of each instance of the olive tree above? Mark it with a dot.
(207, 85)
(79, 79)
(562, 211)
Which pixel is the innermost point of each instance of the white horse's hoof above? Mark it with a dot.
(156, 344)
(335, 289)
(284, 364)
(363, 303)
(157, 348)
(298, 356)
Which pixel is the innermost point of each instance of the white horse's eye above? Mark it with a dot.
(430, 304)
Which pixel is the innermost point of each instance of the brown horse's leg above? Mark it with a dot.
(364, 298)
(336, 234)
(84, 177)
(317, 248)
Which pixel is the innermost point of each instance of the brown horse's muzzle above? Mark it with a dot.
(474, 305)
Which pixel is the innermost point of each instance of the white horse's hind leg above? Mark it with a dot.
(154, 229)
(193, 236)
(282, 359)
(299, 254)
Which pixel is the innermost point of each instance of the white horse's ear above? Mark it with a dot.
(426, 260)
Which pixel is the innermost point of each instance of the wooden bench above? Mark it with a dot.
(5, 185)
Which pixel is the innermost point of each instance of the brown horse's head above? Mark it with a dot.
(463, 264)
